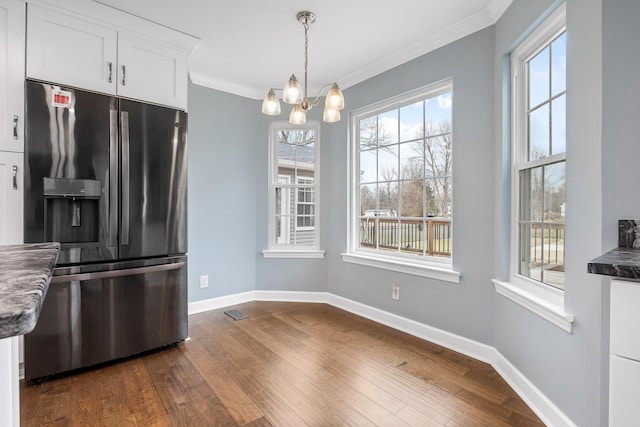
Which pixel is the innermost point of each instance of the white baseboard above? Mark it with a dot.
(286, 296)
(220, 302)
(543, 407)
(451, 341)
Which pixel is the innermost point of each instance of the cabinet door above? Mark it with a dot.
(625, 319)
(624, 393)
(12, 30)
(151, 71)
(66, 50)
(11, 195)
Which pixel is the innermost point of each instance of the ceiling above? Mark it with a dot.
(249, 46)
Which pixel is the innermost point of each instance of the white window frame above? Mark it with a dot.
(286, 207)
(541, 299)
(285, 250)
(418, 265)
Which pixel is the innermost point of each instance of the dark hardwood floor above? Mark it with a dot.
(287, 364)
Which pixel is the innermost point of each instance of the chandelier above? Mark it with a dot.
(293, 94)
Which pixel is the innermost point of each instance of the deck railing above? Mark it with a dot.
(547, 243)
(431, 236)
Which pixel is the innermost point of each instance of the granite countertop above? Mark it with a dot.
(618, 262)
(25, 272)
(623, 261)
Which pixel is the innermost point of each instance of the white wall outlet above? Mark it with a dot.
(395, 291)
(204, 281)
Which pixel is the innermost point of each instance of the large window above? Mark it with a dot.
(293, 183)
(402, 180)
(539, 154)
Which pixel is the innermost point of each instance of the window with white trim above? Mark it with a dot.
(293, 184)
(538, 68)
(402, 179)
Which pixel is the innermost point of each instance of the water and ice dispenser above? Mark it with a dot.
(72, 210)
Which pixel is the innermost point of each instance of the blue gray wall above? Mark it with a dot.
(620, 137)
(228, 167)
(466, 308)
(621, 110)
(226, 137)
(570, 369)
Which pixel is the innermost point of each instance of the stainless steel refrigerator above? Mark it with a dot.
(107, 178)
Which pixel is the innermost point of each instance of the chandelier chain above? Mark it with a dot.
(306, 56)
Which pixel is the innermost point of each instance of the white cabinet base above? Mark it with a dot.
(624, 364)
(9, 383)
(624, 392)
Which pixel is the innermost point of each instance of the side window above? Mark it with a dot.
(539, 155)
(293, 178)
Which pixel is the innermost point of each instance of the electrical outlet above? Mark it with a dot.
(395, 291)
(204, 281)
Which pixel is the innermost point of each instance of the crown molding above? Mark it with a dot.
(476, 22)
(206, 80)
(497, 7)
(211, 82)
(443, 37)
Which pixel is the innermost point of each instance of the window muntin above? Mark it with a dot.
(403, 153)
(539, 70)
(293, 183)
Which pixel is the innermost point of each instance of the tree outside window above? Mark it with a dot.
(404, 204)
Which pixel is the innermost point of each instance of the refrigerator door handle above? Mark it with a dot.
(116, 273)
(124, 123)
(113, 178)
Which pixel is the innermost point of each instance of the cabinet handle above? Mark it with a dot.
(110, 65)
(15, 177)
(15, 127)
(124, 75)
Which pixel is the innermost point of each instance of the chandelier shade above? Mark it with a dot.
(298, 116)
(330, 115)
(335, 98)
(271, 104)
(294, 94)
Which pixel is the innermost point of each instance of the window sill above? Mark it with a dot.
(298, 253)
(432, 271)
(546, 303)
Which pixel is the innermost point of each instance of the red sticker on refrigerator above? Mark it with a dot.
(61, 98)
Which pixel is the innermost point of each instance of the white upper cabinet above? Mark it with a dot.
(94, 56)
(63, 49)
(150, 71)
(12, 75)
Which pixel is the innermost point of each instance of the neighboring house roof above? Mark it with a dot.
(295, 152)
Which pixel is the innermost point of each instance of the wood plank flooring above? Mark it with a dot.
(288, 364)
